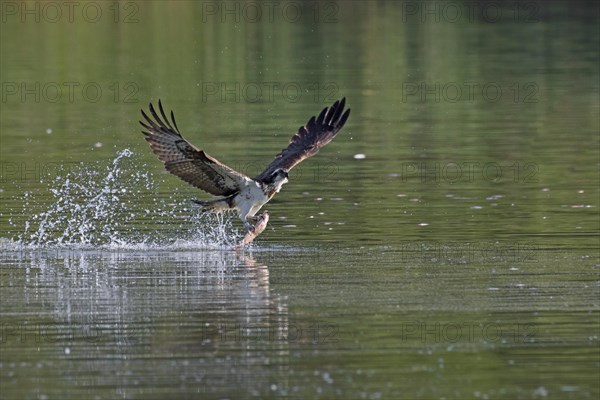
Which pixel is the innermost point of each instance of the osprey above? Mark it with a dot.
(237, 191)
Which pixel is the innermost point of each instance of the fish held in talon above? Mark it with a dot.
(256, 230)
(233, 190)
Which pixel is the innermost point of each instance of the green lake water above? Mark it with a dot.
(444, 246)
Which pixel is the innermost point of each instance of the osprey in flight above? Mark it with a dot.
(237, 191)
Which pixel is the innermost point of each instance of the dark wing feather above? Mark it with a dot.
(310, 138)
(184, 160)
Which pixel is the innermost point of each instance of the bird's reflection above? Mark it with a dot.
(208, 313)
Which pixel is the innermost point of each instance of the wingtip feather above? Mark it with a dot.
(174, 122)
(343, 119)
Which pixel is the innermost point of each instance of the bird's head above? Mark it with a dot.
(277, 179)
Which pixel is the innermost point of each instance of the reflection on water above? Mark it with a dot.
(136, 320)
(295, 322)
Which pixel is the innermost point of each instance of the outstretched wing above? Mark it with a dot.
(184, 160)
(310, 138)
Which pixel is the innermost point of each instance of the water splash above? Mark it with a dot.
(118, 206)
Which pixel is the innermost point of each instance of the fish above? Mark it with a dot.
(260, 226)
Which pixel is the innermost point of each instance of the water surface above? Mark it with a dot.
(458, 258)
